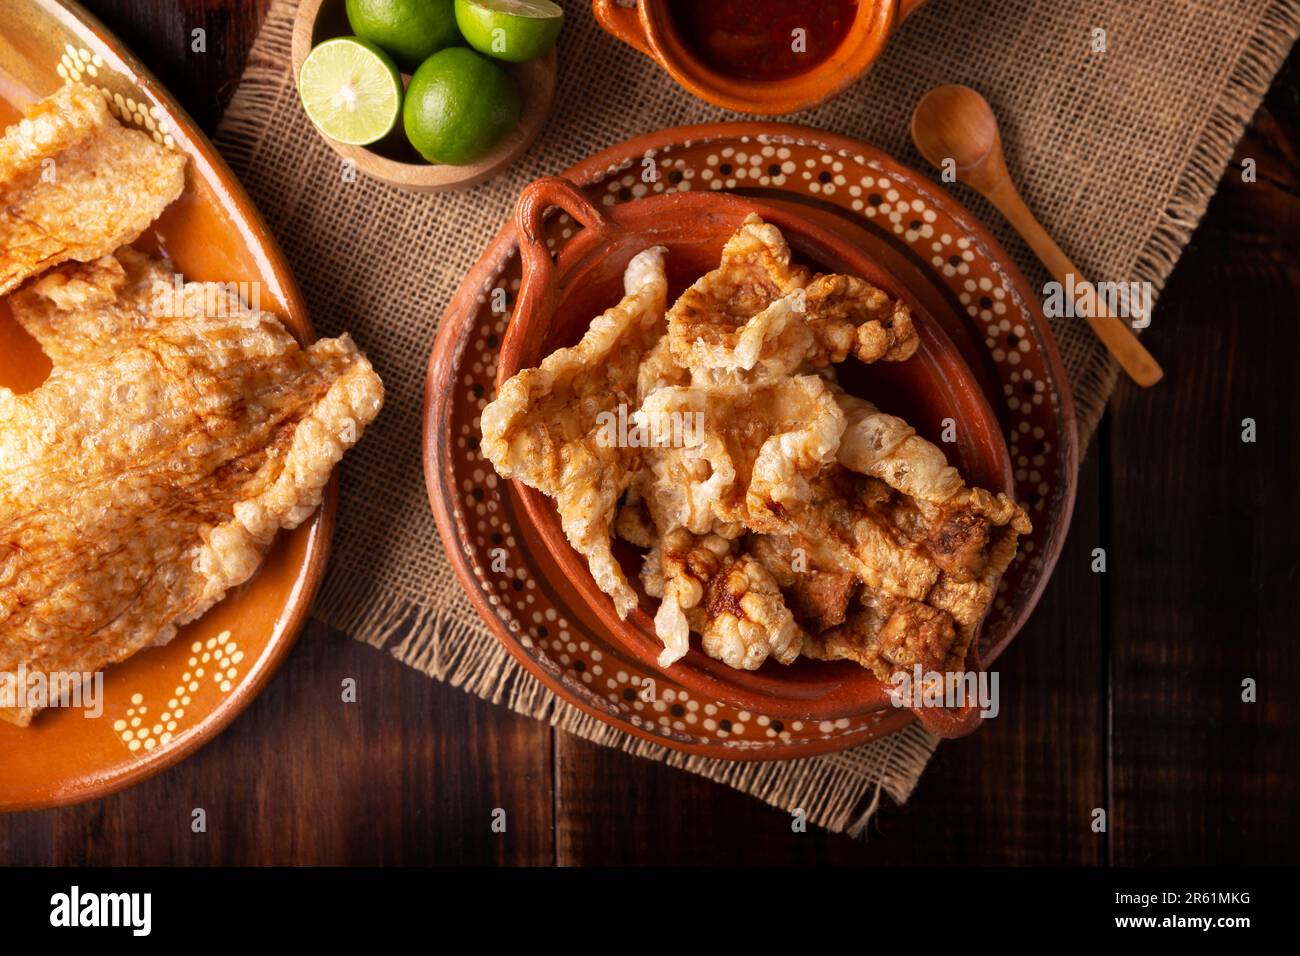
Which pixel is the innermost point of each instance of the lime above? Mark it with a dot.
(410, 30)
(514, 30)
(351, 90)
(458, 106)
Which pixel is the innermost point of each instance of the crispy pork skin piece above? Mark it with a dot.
(179, 431)
(77, 184)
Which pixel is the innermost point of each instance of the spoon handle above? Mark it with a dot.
(1114, 333)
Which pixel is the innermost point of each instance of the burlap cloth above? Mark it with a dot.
(1118, 152)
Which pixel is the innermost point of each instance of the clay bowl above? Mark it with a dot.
(557, 300)
(649, 26)
(393, 160)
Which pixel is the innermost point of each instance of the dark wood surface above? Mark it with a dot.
(1124, 692)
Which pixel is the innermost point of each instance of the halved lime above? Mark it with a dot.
(351, 90)
(513, 30)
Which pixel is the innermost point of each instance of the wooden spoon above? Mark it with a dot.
(956, 123)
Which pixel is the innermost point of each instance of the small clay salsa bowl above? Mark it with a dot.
(558, 298)
(746, 55)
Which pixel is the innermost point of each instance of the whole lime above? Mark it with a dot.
(410, 30)
(458, 106)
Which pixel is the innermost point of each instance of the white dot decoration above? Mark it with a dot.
(138, 736)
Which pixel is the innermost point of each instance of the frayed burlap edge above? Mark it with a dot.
(840, 792)
(1196, 184)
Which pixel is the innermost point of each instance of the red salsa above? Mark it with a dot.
(756, 39)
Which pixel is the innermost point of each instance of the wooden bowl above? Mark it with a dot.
(164, 703)
(393, 160)
(648, 26)
(558, 299)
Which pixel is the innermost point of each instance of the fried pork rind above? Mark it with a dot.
(792, 517)
(886, 540)
(548, 426)
(886, 447)
(818, 598)
(756, 319)
(850, 316)
(745, 618)
(859, 525)
(677, 572)
(634, 523)
(730, 599)
(76, 184)
(905, 523)
(712, 325)
(888, 634)
(659, 369)
(752, 460)
(178, 432)
(843, 619)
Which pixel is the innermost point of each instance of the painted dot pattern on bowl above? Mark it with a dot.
(881, 195)
(212, 669)
(79, 65)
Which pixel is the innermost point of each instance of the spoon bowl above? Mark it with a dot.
(955, 122)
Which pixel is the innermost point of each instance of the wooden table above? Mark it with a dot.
(1125, 689)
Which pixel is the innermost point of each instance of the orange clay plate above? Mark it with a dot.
(163, 704)
(918, 234)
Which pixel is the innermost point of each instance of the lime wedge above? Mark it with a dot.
(513, 30)
(351, 90)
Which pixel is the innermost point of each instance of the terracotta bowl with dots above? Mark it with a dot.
(161, 705)
(559, 296)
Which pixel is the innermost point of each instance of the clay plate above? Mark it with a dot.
(163, 704)
(921, 238)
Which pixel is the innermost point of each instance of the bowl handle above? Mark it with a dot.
(623, 22)
(537, 286)
(951, 722)
(906, 7)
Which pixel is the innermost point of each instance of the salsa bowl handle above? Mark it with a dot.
(623, 22)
